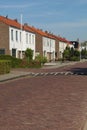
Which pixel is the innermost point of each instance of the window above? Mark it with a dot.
(16, 35)
(47, 43)
(2, 51)
(27, 38)
(20, 36)
(32, 39)
(14, 52)
(12, 35)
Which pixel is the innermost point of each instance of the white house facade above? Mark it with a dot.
(62, 46)
(19, 41)
(49, 48)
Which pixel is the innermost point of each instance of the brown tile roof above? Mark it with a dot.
(27, 28)
(61, 39)
(15, 23)
(39, 31)
(10, 22)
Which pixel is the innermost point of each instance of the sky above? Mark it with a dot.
(66, 18)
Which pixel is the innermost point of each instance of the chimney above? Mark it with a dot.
(46, 31)
(15, 20)
(6, 16)
(26, 24)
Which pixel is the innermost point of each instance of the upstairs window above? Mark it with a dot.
(27, 38)
(20, 36)
(32, 39)
(16, 35)
(12, 35)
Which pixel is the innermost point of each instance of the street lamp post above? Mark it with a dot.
(21, 36)
(80, 50)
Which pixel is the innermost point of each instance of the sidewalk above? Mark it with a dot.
(13, 75)
(58, 64)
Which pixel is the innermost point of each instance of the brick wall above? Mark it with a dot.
(57, 49)
(4, 37)
(39, 42)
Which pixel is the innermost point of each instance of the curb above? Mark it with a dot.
(15, 77)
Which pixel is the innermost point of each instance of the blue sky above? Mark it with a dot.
(67, 18)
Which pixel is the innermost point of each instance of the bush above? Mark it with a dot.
(71, 54)
(24, 64)
(31, 64)
(4, 66)
(29, 54)
(34, 64)
(15, 62)
(41, 59)
(75, 58)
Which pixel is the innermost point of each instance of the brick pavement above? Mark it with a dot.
(45, 102)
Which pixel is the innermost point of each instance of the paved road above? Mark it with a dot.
(45, 102)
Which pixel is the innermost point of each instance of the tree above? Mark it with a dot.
(66, 53)
(71, 54)
(83, 53)
(76, 53)
(29, 54)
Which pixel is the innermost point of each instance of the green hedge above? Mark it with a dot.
(15, 62)
(4, 66)
(75, 58)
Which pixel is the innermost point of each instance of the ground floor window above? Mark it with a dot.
(2, 51)
(14, 52)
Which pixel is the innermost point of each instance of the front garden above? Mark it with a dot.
(7, 62)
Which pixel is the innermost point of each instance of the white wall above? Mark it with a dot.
(62, 46)
(25, 40)
(49, 47)
(29, 41)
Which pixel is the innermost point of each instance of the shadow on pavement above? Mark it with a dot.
(79, 71)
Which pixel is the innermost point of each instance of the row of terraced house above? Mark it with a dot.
(15, 38)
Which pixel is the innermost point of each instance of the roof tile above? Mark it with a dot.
(10, 22)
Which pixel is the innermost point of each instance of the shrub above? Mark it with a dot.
(29, 54)
(66, 54)
(34, 64)
(71, 54)
(4, 66)
(15, 62)
(75, 58)
(41, 59)
(31, 64)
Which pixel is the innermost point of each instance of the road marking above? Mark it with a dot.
(57, 73)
